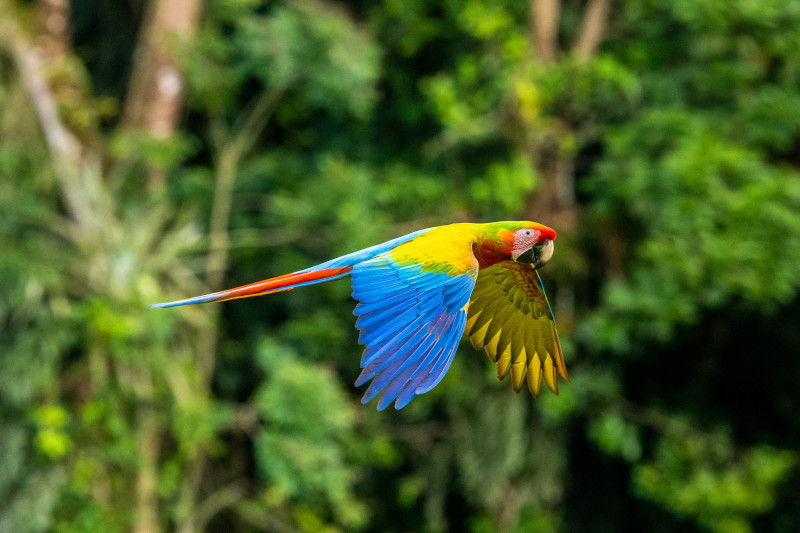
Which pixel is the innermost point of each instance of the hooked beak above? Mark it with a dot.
(537, 255)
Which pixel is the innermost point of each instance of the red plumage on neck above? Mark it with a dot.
(489, 252)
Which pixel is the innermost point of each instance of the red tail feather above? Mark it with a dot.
(268, 286)
(286, 282)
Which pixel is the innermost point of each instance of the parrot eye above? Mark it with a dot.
(527, 233)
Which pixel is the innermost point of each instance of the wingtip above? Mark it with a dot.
(402, 402)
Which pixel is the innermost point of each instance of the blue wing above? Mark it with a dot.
(411, 321)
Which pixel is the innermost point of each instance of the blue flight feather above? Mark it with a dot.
(385, 374)
(447, 339)
(379, 357)
(410, 321)
(439, 368)
(409, 370)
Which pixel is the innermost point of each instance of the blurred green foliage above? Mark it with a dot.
(339, 125)
(723, 491)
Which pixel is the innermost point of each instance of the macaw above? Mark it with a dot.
(418, 294)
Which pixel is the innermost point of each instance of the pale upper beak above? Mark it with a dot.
(537, 255)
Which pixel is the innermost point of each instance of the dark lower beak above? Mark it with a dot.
(537, 255)
(527, 256)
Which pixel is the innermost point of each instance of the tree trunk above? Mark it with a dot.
(544, 29)
(155, 93)
(153, 106)
(148, 440)
(52, 19)
(593, 28)
(554, 200)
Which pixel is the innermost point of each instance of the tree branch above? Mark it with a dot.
(67, 152)
(230, 148)
(63, 145)
(223, 498)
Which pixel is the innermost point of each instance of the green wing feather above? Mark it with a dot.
(509, 317)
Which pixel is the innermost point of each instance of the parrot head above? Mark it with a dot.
(533, 244)
(524, 242)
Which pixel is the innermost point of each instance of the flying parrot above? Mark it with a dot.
(418, 294)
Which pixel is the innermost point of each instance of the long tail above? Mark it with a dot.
(327, 271)
(286, 282)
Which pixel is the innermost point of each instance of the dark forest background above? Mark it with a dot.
(153, 150)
